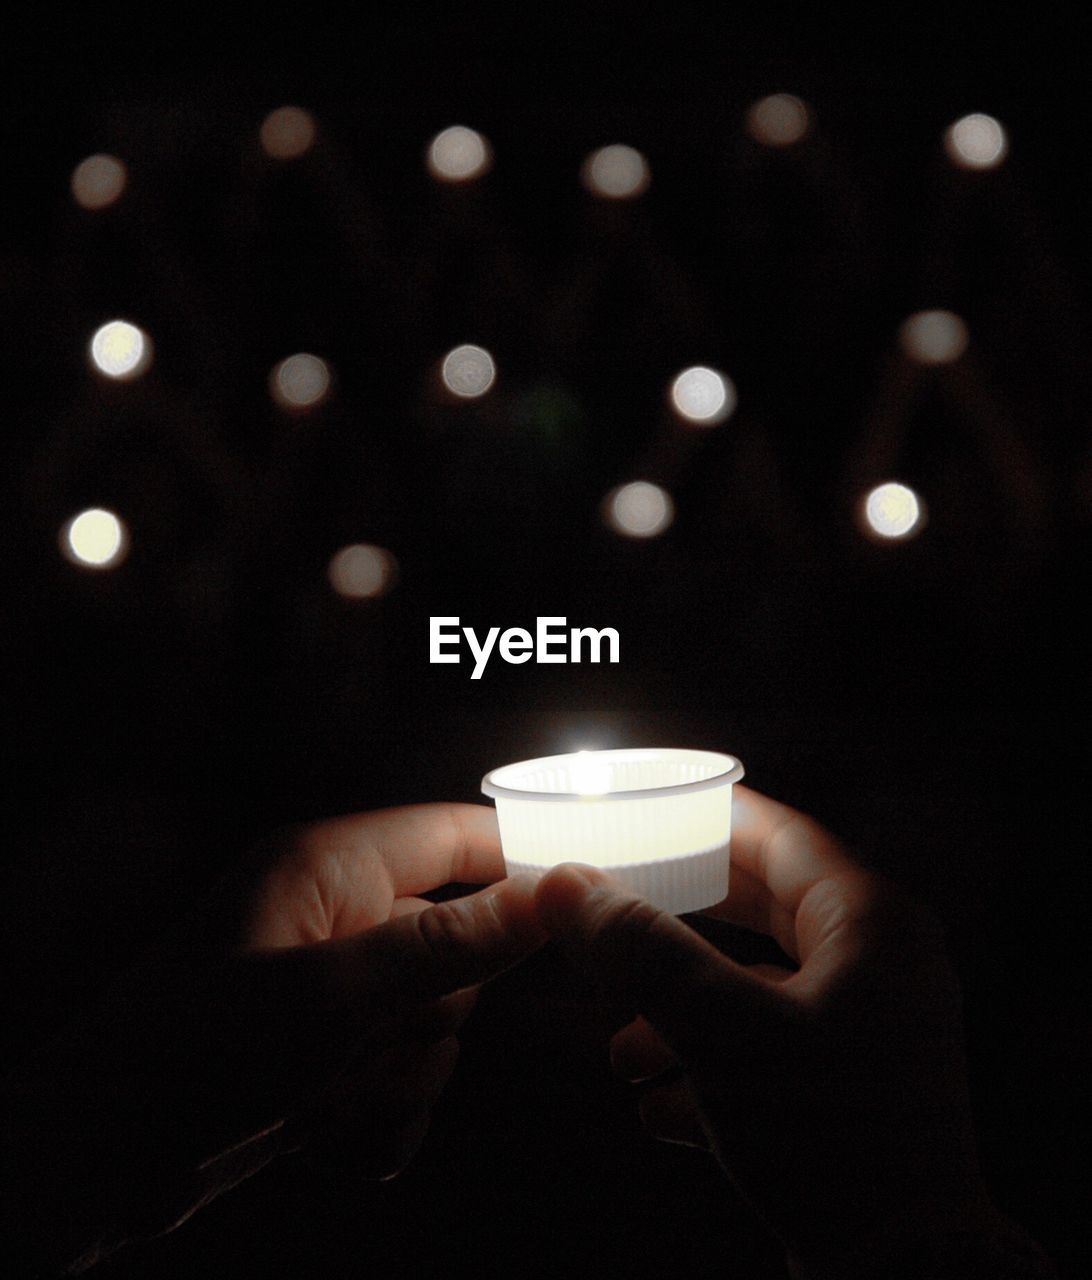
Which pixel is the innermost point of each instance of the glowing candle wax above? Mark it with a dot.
(658, 820)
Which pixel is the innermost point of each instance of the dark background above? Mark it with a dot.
(926, 699)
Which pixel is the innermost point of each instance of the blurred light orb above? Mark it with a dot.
(362, 571)
(976, 141)
(287, 133)
(779, 120)
(98, 181)
(892, 510)
(458, 154)
(95, 539)
(301, 381)
(616, 172)
(120, 350)
(933, 337)
(703, 396)
(468, 371)
(639, 509)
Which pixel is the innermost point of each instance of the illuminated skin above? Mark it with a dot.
(327, 1021)
(832, 1092)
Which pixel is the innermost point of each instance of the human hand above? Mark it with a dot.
(327, 1021)
(832, 1090)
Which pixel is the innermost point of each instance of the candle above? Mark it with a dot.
(658, 820)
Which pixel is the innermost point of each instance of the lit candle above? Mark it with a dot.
(658, 820)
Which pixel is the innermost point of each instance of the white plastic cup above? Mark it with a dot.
(659, 819)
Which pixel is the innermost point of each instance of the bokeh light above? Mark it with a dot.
(639, 509)
(287, 133)
(301, 381)
(120, 350)
(778, 120)
(976, 141)
(892, 510)
(933, 337)
(458, 154)
(616, 172)
(98, 181)
(702, 396)
(95, 539)
(468, 371)
(362, 571)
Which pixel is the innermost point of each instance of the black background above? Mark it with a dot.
(927, 700)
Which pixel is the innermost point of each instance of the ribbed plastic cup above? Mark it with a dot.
(658, 820)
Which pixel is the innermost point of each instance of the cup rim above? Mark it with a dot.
(732, 771)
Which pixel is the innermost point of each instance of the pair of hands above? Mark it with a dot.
(833, 1092)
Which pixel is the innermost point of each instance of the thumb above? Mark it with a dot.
(650, 960)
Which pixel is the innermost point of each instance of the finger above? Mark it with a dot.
(638, 1053)
(414, 848)
(751, 905)
(650, 960)
(671, 1114)
(450, 946)
(782, 849)
(783, 860)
